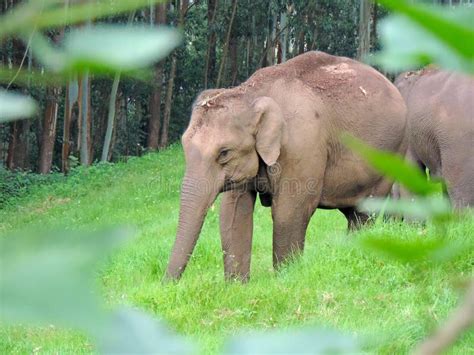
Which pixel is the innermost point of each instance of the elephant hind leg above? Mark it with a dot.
(458, 172)
(355, 219)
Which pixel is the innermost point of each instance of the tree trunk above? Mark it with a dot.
(364, 29)
(233, 60)
(226, 44)
(169, 91)
(85, 133)
(155, 101)
(72, 92)
(17, 156)
(210, 65)
(169, 97)
(284, 35)
(120, 109)
(48, 135)
(110, 119)
(373, 35)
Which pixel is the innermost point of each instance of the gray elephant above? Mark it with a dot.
(440, 116)
(277, 135)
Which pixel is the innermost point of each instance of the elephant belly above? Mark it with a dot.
(349, 181)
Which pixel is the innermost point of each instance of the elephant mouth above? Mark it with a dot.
(234, 185)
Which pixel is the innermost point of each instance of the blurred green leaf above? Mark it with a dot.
(14, 106)
(130, 331)
(420, 208)
(49, 279)
(302, 341)
(37, 15)
(414, 47)
(118, 48)
(456, 32)
(415, 250)
(393, 167)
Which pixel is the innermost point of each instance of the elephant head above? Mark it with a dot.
(227, 134)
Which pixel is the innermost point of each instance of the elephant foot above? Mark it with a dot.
(355, 219)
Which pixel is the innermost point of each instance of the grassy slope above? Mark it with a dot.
(335, 283)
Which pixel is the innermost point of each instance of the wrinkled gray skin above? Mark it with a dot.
(277, 136)
(440, 115)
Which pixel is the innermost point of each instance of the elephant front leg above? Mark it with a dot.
(290, 221)
(236, 225)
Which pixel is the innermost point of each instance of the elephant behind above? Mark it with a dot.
(277, 135)
(440, 115)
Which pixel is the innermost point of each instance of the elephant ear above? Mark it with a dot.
(269, 129)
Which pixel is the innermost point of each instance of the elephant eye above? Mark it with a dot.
(224, 155)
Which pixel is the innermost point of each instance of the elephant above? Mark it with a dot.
(277, 135)
(440, 128)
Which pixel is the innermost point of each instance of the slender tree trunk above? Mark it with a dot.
(169, 91)
(226, 44)
(110, 119)
(120, 110)
(48, 135)
(72, 92)
(17, 156)
(85, 135)
(169, 97)
(364, 29)
(284, 35)
(210, 65)
(233, 59)
(271, 43)
(154, 121)
(373, 35)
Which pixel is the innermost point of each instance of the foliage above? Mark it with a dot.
(14, 185)
(431, 35)
(84, 50)
(58, 289)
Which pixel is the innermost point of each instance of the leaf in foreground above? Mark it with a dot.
(302, 341)
(50, 279)
(452, 27)
(415, 250)
(35, 14)
(118, 48)
(415, 47)
(131, 331)
(14, 106)
(420, 208)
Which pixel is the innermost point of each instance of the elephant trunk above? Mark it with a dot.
(195, 201)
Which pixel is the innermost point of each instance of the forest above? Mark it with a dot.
(236, 176)
(224, 42)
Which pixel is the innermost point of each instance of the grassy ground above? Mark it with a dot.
(335, 284)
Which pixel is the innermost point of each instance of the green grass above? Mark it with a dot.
(336, 283)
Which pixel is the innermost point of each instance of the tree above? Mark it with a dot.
(71, 99)
(183, 8)
(226, 44)
(211, 42)
(364, 29)
(48, 135)
(154, 121)
(17, 156)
